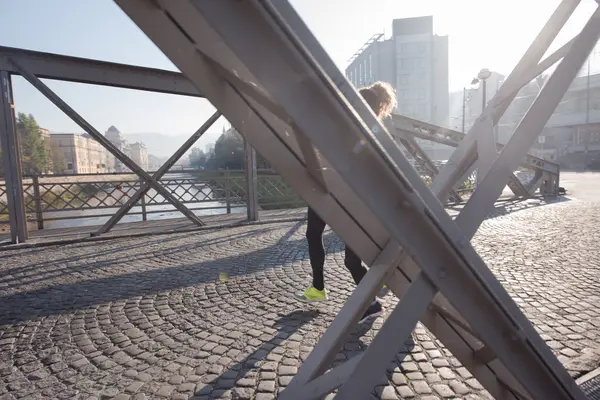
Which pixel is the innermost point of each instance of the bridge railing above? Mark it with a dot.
(68, 198)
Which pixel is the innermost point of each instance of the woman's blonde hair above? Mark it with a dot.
(380, 96)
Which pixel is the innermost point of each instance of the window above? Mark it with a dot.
(370, 68)
(421, 62)
(420, 93)
(403, 94)
(406, 63)
(420, 48)
(360, 74)
(422, 109)
(69, 165)
(403, 80)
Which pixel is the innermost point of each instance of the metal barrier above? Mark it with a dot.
(59, 198)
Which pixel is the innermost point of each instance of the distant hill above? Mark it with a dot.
(162, 145)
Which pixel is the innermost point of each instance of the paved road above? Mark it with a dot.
(210, 315)
(582, 185)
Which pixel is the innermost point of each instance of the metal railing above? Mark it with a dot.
(70, 197)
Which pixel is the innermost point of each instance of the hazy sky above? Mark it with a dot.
(482, 33)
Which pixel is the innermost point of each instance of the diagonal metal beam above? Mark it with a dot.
(56, 100)
(530, 126)
(157, 175)
(451, 172)
(408, 127)
(389, 340)
(396, 194)
(411, 145)
(313, 164)
(391, 199)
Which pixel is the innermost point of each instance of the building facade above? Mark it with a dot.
(116, 138)
(80, 154)
(415, 62)
(139, 154)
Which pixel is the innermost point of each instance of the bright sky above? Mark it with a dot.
(482, 33)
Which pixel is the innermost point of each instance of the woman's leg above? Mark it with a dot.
(358, 271)
(354, 265)
(316, 251)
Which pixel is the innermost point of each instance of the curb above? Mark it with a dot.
(63, 242)
(589, 376)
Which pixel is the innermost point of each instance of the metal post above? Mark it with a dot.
(227, 192)
(37, 198)
(11, 155)
(143, 202)
(251, 181)
(464, 107)
(483, 94)
(587, 111)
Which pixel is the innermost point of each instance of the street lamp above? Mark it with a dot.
(483, 75)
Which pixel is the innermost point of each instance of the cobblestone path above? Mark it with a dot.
(210, 314)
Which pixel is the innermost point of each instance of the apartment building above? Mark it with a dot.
(139, 154)
(80, 153)
(415, 62)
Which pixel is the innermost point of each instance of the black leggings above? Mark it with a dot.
(316, 251)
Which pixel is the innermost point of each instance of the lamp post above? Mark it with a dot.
(482, 77)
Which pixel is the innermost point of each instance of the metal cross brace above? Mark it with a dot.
(375, 196)
(57, 101)
(421, 158)
(522, 74)
(423, 130)
(447, 332)
(11, 157)
(530, 126)
(157, 175)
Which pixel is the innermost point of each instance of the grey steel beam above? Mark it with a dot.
(95, 72)
(390, 197)
(252, 91)
(157, 175)
(294, 80)
(389, 340)
(422, 130)
(119, 155)
(11, 158)
(507, 92)
(449, 137)
(251, 175)
(530, 126)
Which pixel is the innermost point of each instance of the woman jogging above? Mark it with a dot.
(382, 100)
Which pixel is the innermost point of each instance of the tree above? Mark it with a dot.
(58, 162)
(198, 159)
(229, 150)
(34, 154)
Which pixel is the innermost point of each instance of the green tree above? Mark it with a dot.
(34, 153)
(229, 150)
(58, 162)
(198, 159)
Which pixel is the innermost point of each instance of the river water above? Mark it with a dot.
(155, 212)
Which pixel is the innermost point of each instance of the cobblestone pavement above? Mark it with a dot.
(210, 314)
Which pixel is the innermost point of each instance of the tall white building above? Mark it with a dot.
(415, 62)
(115, 137)
(139, 154)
